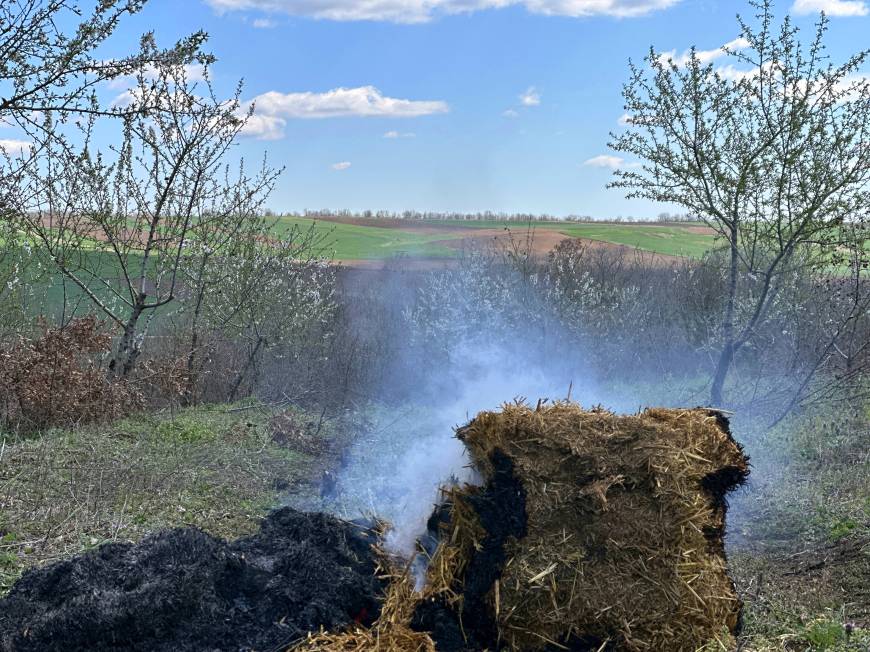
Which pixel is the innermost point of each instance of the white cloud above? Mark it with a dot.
(420, 11)
(704, 56)
(263, 23)
(605, 161)
(510, 113)
(624, 119)
(531, 97)
(850, 87)
(853, 86)
(194, 72)
(344, 165)
(831, 7)
(398, 134)
(735, 74)
(273, 109)
(364, 101)
(264, 127)
(123, 100)
(13, 146)
(171, 100)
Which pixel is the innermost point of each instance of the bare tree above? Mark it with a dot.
(49, 77)
(838, 314)
(775, 159)
(249, 281)
(45, 67)
(119, 230)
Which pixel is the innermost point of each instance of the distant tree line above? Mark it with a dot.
(483, 216)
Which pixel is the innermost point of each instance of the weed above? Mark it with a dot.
(842, 528)
(185, 430)
(825, 634)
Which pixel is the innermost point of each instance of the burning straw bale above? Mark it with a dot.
(592, 532)
(622, 545)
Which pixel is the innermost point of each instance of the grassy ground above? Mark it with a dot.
(65, 491)
(800, 538)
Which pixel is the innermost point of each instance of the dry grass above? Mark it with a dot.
(800, 539)
(390, 633)
(65, 491)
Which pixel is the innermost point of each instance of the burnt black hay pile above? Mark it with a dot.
(183, 589)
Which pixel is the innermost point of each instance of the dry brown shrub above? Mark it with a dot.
(57, 378)
(165, 380)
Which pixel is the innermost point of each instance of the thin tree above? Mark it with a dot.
(49, 76)
(771, 152)
(119, 230)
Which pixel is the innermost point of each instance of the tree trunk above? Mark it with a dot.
(128, 352)
(187, 397)
(241, 375)
(726, 357)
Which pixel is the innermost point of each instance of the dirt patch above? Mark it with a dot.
(417, 226)
(700, 230)
(184, 590)
(543, 242)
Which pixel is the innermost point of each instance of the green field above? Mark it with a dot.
(367, 242)
(668, 240)
(359, 242)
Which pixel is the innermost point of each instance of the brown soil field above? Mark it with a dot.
(418, 226)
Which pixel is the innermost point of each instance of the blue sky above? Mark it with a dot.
(449, 105)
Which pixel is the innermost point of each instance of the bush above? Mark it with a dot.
(57, 379)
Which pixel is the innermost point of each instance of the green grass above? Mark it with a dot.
(800, 541)
(68, 490)
(364, 242)
(668, 240)
(360, 242)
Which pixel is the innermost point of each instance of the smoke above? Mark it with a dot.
(441, 346)
(430, 455)
(468, 345)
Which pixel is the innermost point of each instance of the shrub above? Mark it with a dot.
(56, 378)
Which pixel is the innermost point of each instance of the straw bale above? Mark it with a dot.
(625, 524)
(592, 532)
